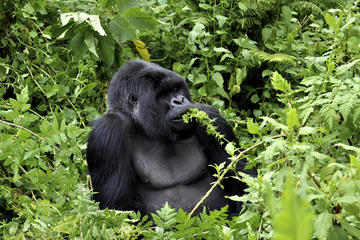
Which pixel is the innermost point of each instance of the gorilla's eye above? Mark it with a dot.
(133, 99)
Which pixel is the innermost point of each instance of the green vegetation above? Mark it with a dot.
(285, 74)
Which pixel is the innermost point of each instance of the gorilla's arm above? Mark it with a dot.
(216, 154)
(109, 162)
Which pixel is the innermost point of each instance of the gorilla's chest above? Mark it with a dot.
(162, 165)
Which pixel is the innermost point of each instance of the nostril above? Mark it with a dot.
(178, 101)
(175, 102)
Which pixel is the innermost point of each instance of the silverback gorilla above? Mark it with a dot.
(141, 154)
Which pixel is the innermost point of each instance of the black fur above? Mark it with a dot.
(140, 153)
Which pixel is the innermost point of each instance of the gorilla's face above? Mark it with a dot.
(155, 98)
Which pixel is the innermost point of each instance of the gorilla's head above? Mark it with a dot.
(153, 98)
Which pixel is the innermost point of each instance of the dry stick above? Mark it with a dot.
(21, 127)
(227, 169)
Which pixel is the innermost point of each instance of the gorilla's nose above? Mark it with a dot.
(178, 101)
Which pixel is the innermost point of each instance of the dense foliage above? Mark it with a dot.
(284, 73)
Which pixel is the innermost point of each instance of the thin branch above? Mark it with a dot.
(42, 196)
(228, 168)
(21, 127)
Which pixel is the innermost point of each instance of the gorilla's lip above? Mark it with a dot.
(178, 118)
(176, 115)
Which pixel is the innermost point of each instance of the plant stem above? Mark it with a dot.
(228, 168)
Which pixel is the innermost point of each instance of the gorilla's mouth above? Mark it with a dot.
(177, 115)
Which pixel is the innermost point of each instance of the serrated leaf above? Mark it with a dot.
(275, 123)
(345, 68)
(331, 21)
(329, 114)
(347, 147)
(307, 131)
(305, 114)
(292, 118)
(279, 83)
(345, 109)
(140, 20)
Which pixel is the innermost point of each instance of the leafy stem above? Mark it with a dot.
(227, 169)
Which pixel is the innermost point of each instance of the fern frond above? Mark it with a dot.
(276, 57)
(304, 6)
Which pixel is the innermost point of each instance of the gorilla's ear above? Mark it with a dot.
(132, 100)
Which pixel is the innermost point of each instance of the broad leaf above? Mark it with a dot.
(140, 20)
(122, 30)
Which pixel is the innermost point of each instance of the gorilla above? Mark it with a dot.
(141, 154)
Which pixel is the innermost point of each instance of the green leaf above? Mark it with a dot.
(240, 75)
(90, 42)
(140, 20)
(230, 148)
(275, 123)
(216, 76)
(221, 50)
(292, 118)
(121, 29)
(222, 93)
(123, 5)
(235, 90)
(201, 78)
(355, 232)
(221, 20)
(307, 131)
(80, 17)
(337, 233)
(331, 21)
(107, 3)
(322, 225)
(266, 33)
(220, 68)
(294, 222)
(77, 44)
(252, 127)
(243, 6)
(107, 49)
(279, 83)
(345, 68)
